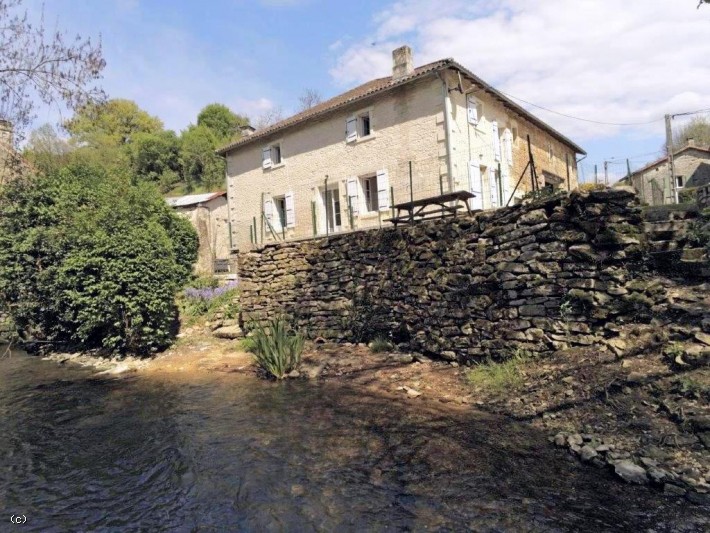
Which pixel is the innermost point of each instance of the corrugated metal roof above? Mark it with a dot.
(382, 84)
(193, 199)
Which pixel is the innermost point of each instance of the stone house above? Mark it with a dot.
(208, 213)
(691, 168)
(340, 165)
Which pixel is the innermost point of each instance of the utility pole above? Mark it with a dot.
(596, 175)
(606, 172)
(671, 166)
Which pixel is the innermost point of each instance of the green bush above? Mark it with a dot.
(276, 347)
(90, 259)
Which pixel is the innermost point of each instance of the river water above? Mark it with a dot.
(223, 452)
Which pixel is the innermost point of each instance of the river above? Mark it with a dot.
(225, 452)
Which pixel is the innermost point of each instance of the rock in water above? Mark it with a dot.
(631, 472)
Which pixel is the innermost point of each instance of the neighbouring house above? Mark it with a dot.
(340, 165)
(653, 182)
(209, 215)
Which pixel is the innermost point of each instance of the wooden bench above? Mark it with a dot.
(417, 210)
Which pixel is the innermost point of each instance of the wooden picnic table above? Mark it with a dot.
(417, 210)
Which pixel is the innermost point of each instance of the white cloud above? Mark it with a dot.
(603, 60)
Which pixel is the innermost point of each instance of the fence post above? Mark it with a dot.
(262, 217)
(327, 201)
(411, 194)
(350, 213)
(251, 234)
(569, 186)
(313, 218)
(392, 200)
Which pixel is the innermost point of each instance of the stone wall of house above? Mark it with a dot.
(538, 277)
(704, 196)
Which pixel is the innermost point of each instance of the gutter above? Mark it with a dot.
(447, 128)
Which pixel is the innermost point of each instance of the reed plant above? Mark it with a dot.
(276, 347)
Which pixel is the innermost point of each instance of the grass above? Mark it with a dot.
(380, 344)
(276, 347)
(247, 344)
(499, 376)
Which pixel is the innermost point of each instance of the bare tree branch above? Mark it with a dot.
(38, 65)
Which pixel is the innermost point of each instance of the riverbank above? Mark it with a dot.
(643, 416)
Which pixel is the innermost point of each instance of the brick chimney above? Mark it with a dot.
(6, 133)
(402, 63)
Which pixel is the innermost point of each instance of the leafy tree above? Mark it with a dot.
(41, 66)
(201, 166)
(91, 260)
(111, 123)
(155, 157)
(223, 122)
(46, 150)
(697, 129)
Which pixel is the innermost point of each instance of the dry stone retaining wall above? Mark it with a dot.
(538, 277)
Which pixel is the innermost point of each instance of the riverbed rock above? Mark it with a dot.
(402, 358)
(631, 472)
(587, 453)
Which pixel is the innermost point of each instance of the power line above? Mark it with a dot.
(584, 119)
(691, 113)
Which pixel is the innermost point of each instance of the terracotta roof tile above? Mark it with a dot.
(382, 84)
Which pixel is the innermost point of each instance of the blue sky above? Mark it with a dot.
(602, 60)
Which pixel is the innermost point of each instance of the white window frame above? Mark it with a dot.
(267, 155)
(474, 109)
(374, 194)
(354, 126)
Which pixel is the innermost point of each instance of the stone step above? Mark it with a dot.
(671, 225)
(694, 254)
(663, 245)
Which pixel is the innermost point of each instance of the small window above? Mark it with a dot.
(271, 156)
(364, 124)
(369, 187)
(679, 181)
(474, 110)
(550, 152)
(358, 126)
(276, 154)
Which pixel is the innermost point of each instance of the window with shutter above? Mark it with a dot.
(353, 199)
(383, 190)
(475, 185)
(494, 182)
(290, 211)
(496, 140)
(266, 157)
(508, 145)
(351, 129)
(269, 212)
(472, 109)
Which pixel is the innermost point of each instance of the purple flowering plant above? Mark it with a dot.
(206, 301)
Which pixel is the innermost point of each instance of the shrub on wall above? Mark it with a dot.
(90, 259)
